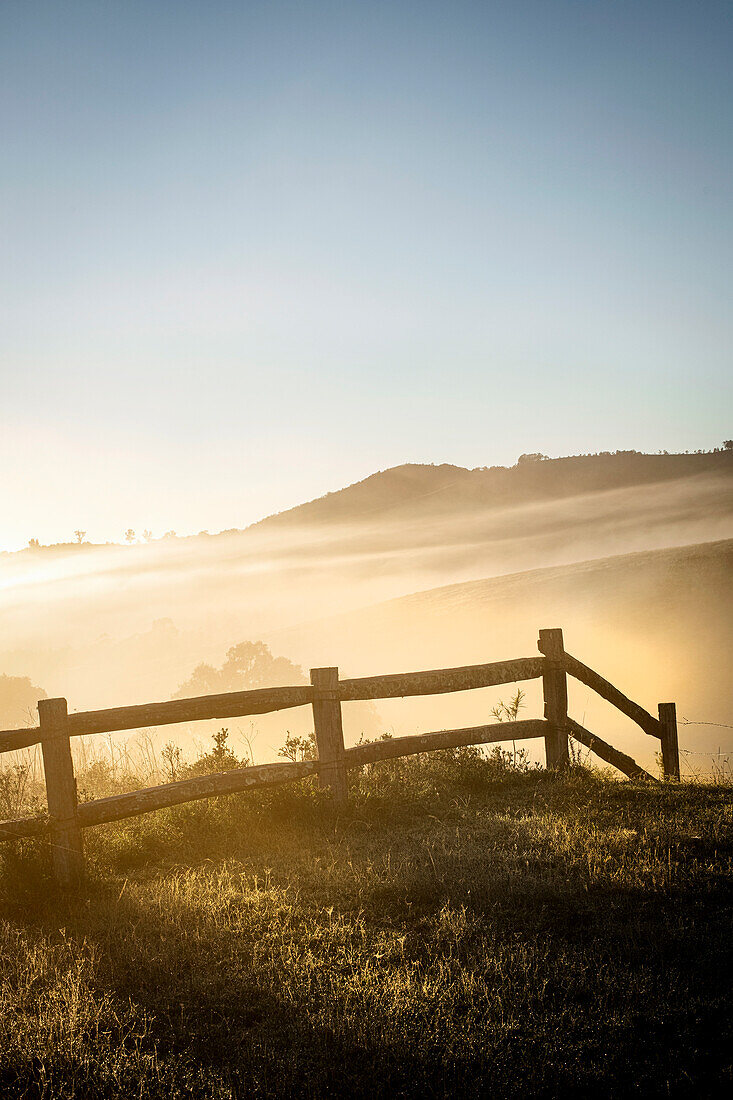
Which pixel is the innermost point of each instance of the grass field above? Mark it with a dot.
(459, 930)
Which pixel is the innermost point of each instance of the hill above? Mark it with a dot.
(417, 490)
(656, 623)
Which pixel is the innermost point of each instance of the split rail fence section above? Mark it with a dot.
(67, 818)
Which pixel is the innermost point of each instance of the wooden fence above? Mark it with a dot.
(66, 818)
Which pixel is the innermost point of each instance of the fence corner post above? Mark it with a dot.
(555, 689)
(670, 744)
(67, 850)
(329, 732)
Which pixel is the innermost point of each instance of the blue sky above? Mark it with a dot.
(252, 252)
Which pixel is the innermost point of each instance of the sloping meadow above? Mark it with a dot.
(465, 926)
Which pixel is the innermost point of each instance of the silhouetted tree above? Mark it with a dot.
(79, 536)
(728, 444)
(18, 698)
(130, 534)
(247, 665)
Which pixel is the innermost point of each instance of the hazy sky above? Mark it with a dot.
(254, 251)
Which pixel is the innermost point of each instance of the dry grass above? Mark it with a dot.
(455, 932)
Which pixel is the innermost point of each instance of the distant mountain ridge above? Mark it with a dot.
(422, 489)
(415, 491)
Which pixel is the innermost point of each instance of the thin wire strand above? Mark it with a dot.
(699, 752)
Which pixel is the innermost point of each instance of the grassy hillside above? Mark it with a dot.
(680, 573)
(461, 929)
(658, 624)
(421, 490)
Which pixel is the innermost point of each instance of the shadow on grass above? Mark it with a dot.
(547, 939)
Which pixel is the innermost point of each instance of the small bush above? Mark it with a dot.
(22, 794)
(219, 759)
(299, 748)
(101, 779)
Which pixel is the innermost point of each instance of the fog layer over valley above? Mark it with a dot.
(493, 555)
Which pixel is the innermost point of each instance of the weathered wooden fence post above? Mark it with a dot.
(555, 689)
(67, 852)
(329, 731)
(670, 746)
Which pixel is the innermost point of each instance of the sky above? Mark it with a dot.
(253, 252)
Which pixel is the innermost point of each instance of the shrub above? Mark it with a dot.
(219, 759)
(299, 748)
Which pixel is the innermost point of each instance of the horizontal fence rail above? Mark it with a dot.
(23, 826)
(119, 806)
(66, 818)
(12, 740)
(231, 704)
(416, 743)
(440, 681)
(239, 704)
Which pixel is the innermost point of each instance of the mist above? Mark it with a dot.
(109, 625)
